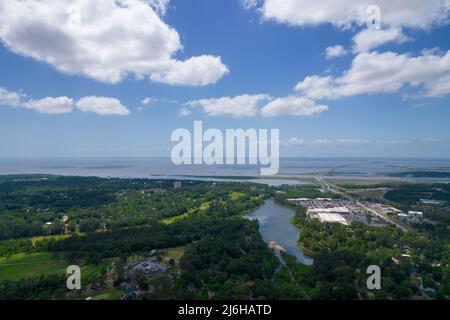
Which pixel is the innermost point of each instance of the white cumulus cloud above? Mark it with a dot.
(240, 106)
(335, 52)
(8, 98)
(292, 105)
(60, 105)
(102, 106)
(247, 105)
(386, 72)
(51, 105)
(196, 71)
(106, 40)
(344, 13)
(151, 101)
(148, 101)
(368, 39)
(317, 87)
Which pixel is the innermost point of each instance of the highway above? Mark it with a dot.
(337, 190)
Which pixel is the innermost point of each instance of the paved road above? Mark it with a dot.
(384, 217)
(337, 190)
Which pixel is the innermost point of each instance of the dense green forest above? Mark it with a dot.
(42, 288)
(233, 263)
(27, 203)
(93, 220)
(206, 246)
(412, 193)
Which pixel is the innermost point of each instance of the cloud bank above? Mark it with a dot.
(105, 40)
(103, 106)
(260, 104)
(386, 72)
(345, 13)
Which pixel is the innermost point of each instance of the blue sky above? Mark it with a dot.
(77, 91)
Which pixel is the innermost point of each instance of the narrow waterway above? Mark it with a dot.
(275, 225)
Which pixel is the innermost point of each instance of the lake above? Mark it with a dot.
(275, 225)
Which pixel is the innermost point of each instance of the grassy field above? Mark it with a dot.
(35, 240)
(108, 294)
(376, 194)
(93, 272)
(22, 266)
(204, 206)
(173, 253)
(237, 195)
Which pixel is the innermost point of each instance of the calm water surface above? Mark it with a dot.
(291, 167)
(275, 225)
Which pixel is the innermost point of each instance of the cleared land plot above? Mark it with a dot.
(108, 294)
(22, 266)
(185, 215)
(37, 239)
(237, 195)
(173, 253)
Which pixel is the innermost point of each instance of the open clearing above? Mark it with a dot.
(171, 220)
(237, 195)
(22, 266)
(108, 294)
(173, 253)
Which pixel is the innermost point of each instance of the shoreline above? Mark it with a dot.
(293, 179)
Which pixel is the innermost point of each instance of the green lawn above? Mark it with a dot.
(173, 253)
(171, 220)
(237, 195)
(108, 294)
(22, 266)
(92, 272)
(34, 240)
